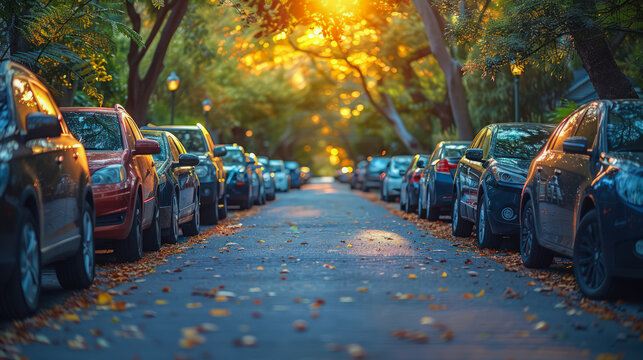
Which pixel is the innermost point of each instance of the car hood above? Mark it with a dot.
(627, 161)
(99, 159)
(520, 165)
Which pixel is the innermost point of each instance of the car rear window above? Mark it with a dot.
(275, 166)
(98, 131)
(378, 164)
(401, 163)
(454, 151)
(193, 140)
(625, 127)
(233, 157)
(521, 142)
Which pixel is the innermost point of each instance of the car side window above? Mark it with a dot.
(566, 131)
(173, 150)
(589, 126)
(45, 103)
(208, 140)
(129, 134)
(134, 128)
(24, 99)
(486, 144)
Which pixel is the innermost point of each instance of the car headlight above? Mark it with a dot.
(272, 175)
(629, 187)
(109, 175)
(201, 171)
(508, 176)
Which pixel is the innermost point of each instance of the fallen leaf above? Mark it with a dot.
(219, 312)
(259, 267)
(443, 289)
(193, 305)
(103, 298)
(166, 289)
(418, 337)
(345, 299)
(468, 296)
(447, 335)
(71, 317)
(355, 351)
(427, 320)
(412, 276)
(610, 356)
(481, 293)
(531, 283)
(530, 317)
(541, 326)
(118, 306)
(160, 302)
(444, 274)
(362, 289)
(300, 325)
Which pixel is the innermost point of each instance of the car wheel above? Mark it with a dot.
(532, 253)
(172, 236)
(131, 248)
(77, 272)
(210, 214)
(432, 213)
(459, 226)
(193, 227)
(21, 293)
(486, 238)
(592, 273)
(152, 236)
(223, 210)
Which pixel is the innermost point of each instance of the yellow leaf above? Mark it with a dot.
(412, 276)
(362, 289)
(71, 317)
(103, 298)
(118, 306)
(219, 312)
(443, 289)
(481, 293)
(444, 274)
(221, 298)
(530, 317)
(160, 302)
(349, 245)
(193, 305)
(259, 267)
(468, 296)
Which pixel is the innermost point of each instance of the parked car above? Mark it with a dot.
(178, 186)
(258, 183)
(370, 177)
(584, 197)
(410, 188)
(391, 178)
(489, 180)
(268, 178)
(306, 174)
(295, 174)
(282, 175)
(241, 183)
(124, 180)
(45, 195)
(436, 183)
(358, 174)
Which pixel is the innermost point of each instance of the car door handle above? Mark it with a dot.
(557, 172)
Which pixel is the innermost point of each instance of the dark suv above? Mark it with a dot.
(45, 195)
(584, 197)
(242, 181)
(197, 141)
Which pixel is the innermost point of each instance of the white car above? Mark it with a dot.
(282, 175)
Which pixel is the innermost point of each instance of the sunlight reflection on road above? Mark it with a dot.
(380, 243)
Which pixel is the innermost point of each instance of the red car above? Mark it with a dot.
(124, 181)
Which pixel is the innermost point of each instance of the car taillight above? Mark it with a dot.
(417, 174)
(443, 166)
(382, 176)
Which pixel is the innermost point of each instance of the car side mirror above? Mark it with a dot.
(420, 163)
(219, 151)
(473, 154)
(146, 147)
(575, 145)
(40, 126)
(187, 160)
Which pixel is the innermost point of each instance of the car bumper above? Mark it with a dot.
(372, 181)
(443, 190)
(503, 208)
(207, 192)
(622, 228)
(413, 193)
(238, 193)
(113, 212)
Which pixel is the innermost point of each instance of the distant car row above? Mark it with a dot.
(575, 190)
(73, 180)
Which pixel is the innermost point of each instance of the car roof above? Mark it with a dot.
(522, 125)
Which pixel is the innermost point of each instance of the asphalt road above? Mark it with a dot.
(365, 283)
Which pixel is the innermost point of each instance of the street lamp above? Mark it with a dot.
(172, 85)
(207, 106)
(516, 70)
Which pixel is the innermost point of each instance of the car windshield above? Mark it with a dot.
(521, 142)
(275, 166)
(263, 160)
(233, 157)
(160, 157)
(401, 162)
(378, 164)
(96, 131)
(625, 127)
(192, 139)
(454, 151)
(291, 165)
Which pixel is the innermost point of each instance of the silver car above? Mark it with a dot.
(392, 178)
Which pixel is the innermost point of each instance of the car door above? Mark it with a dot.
(145, 165)
(551, 206)
(476, 168)
(45, 162)
(182, 173)
(469, 179)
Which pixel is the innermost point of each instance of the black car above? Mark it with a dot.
(490, 177)
(436, 184)
(46, 198)
(212, 176)
(584, 197)
(410, 188)
(178, 186)
(295, 174)
(370, 176)
(241, 182)
(258, 181)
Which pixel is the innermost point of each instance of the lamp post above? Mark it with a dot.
(172, 85)
(207, 106)
(516, 70)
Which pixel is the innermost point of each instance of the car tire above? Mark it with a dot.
(210, 214)
(432, 212)
(172, 235)
(223, 210)
(486, 238)
(131, 248)
(193, 227)
(20, 298)
(78, 271)
(591, 270)
(152, 236)
(533, 255)
(459, 226)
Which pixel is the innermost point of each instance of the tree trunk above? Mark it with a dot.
(594, 51)
(395, 119)
(139, 89)
(450, 68)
